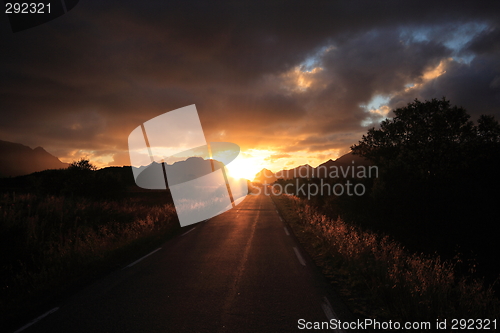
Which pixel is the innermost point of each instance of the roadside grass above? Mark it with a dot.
(52, 244)
(379, 278)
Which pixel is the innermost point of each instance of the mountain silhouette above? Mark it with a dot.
(346, 160)
(151, 176)
(265, 176)
(306, 171)
(302, 171)
(17, 160)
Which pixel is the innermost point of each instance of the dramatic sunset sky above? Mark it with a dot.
(291, 82)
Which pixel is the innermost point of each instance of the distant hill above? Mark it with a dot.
(302, 171)
(151, 176)
(307, 171)
(265, 176)
(17, 159)
(346, 160)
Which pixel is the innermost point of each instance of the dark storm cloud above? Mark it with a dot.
(85, 80)
(317, 143)
(474, 86)
(487, 42)
(375, 62)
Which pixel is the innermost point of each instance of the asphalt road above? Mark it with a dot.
(241, 271)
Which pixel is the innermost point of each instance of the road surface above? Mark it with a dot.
(241, 271)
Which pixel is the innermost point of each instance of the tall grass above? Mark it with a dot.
(404, 285)
(47, 240)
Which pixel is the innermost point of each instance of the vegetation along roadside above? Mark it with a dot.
(379, 278)
(62, 229)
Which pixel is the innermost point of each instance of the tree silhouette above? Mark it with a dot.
(438, 172)
(425, 140)
(82, 164)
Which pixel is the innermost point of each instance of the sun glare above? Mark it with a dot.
(243, 168)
